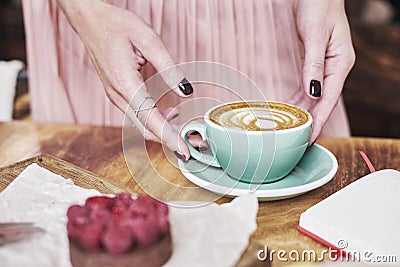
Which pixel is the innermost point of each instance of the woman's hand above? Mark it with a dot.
(119, 44)
(329, 56)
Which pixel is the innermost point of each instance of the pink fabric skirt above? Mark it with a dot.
(257, 37)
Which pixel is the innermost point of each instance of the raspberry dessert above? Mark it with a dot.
(119, 231)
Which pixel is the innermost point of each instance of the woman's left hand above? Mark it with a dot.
(329, 56)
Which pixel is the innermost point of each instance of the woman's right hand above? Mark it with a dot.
(120, 43)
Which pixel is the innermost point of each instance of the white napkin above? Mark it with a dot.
(40, 196)
(8, 80)
(214, 235)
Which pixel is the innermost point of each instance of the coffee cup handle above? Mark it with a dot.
(202, 157)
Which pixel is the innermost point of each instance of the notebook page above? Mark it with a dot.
(365, 214)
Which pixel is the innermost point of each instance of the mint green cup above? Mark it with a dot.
(261, 156)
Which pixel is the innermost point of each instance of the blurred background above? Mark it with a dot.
(371, 92)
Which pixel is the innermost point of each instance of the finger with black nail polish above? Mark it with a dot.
(309, 146)
(180, 156)
(315, 88)
(203, 148)
(185, 87)
(312, 143)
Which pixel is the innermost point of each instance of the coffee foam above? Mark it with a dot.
(259, 116)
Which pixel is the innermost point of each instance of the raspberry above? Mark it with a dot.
(146, 200)
(116, 241)
(148, 203)
(163, 223)
(118, 210)
(77, 215)
(162, 208)
(137, 209)
(101, 202)
(145, 231)
(74, 231)
(127, 223)
(90, 240)
(123, 199)
(101, 216)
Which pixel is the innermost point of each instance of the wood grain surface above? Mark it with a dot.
(99, 150)
(79, 176)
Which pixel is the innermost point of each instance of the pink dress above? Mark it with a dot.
(258, 37)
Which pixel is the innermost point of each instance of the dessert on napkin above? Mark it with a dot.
(119, 231)
(213, 235)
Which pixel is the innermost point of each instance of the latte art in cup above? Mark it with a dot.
(259, 116)
(241, 135)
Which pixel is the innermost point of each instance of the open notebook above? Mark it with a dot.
(362, 219)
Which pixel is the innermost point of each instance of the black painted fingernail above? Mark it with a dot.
(203, 148)
(176, 115)
(308, 148)
(185, 87)
(180, 156)
(313, 143)
(315, 88)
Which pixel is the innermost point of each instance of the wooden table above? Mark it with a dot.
(99, 150)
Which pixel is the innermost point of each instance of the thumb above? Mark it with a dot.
(314, 67)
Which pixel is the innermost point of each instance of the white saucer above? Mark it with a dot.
(317, 167)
